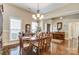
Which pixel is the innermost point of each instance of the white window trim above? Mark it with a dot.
(14, 17)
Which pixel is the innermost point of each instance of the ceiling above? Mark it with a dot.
(43, 7)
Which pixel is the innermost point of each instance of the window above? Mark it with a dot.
(34, 27)
(15, 28)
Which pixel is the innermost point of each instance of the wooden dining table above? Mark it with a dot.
(28, 38)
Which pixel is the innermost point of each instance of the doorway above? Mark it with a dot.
(74, 30)
(73, 34)
(48, 27)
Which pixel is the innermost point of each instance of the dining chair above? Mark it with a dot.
(38, 46)
(24, 46)
(42, 45)
(48, 38)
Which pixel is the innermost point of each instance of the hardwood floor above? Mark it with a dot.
(55, 49)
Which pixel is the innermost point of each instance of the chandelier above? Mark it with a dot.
(37, 16)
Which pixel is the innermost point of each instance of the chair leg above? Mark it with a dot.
(38, 51)
(20, 51)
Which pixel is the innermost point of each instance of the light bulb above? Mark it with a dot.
(61, 17)
(33, 16)
(38, 15)
(41, 17)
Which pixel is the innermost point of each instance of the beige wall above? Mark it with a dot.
(12, 11)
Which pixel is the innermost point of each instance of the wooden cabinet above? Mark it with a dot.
(59, 35)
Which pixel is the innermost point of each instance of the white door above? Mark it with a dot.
(73, 33)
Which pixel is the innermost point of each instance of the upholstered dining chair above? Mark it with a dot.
(42, 44)
(38, 46)
(24, 46)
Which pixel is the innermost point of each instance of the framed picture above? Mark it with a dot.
(59, 26)
(27, 28)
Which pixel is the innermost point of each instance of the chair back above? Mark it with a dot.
(44, 43)
(20, 42)
(44, 38)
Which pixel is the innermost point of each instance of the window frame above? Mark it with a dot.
(36, 27)
(17, 18)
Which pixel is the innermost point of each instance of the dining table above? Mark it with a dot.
(29, 38)
(32, 39)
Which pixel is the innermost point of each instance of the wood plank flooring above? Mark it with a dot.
(55, 49)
